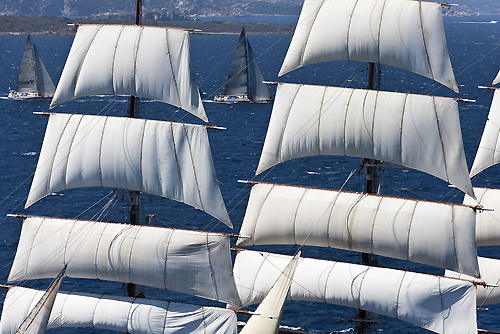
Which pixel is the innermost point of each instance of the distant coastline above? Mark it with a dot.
(23, 25)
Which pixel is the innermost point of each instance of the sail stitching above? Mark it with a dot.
(345, 122)
(114, 59)
(131, 252)
(97, 251)
(166, 259)
(431, 75)
(100, 148)
(141, 30)
(327, 280)
(443, 149)
(330, 218)
(264, 259)
(194, 167)
(399, 294)
(70, 149)
(349, 29)
(141, 176)
(295, 215)
(361, 285)
(302, 54)
(77, 77)
(260, 211)
(165, 318)
(211, 269)
(454, 232)
(129, 314)
(379, 30)
(401, 129)
(30, 249)
(181, 191)
(375, 105)
(409, 231)
(67, 242)
(174, 79)
(320, 114)
(373, 223)
(288, 111)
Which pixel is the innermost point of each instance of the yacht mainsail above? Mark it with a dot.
(33, 80)
(245, 80)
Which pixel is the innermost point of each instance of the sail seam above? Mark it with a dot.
(345, 122)
(258, 272)
(320, 114)
(327, 280)
(129, 313)
(211, 269)
(166, 260)
(32, 247)
(443, 149)
(295, 217)
(67, 242)
(141, 30)
(181, 189)
(100, 148)
(424, 40)
(194, 167)
(349, 30)
(49, 177)
(401, 130)
(97, 251)
(399, 294)
(165, 319)
(131, 252)
(174, 79)
(409, 231)
(373, 223)
(71, 148)
(114, 59)
(260, 211)
(302, 54)
(141, 176)
(288, 111)
(361, 285)
(330, 218)
(379, 30)
(375, 105)
(84, 57)
(204, 319)
(454, 232)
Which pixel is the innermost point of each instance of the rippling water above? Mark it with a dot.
(236, 150)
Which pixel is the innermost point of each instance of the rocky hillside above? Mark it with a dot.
(154, 9)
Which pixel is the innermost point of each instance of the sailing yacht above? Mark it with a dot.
(33, 80)
(415, 131)
(168, 159)
(244, 81)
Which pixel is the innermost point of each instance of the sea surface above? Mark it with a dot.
(474, 48)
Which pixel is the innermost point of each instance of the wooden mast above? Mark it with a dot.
(134, 195)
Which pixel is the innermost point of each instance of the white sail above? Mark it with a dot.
(37, 319)
(196, 263)
(416, 131)
(121, 314)
(490, 274)
(168, 159)
(402, 33)
(439, 304)
(497, 79)
(487, 221)
(487, 152)
(267, 317)
(149, 62)
(388, 226)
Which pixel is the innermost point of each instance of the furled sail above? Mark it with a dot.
(402, 33)
(267, 317)
(149, 62)
(26, 80)
(416, 131)
(37, 319)
(487, 152)
(439, 304)
(44, 83)
(196, 263)
(388, 226)
(237, 79)
(490, 274)
(168, 159)
(121, 314)
(488, 221)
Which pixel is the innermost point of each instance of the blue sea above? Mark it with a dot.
(475, 53)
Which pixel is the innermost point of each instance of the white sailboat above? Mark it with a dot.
(169, 159)
(33, 80)
(244, 81)
(415, 131)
